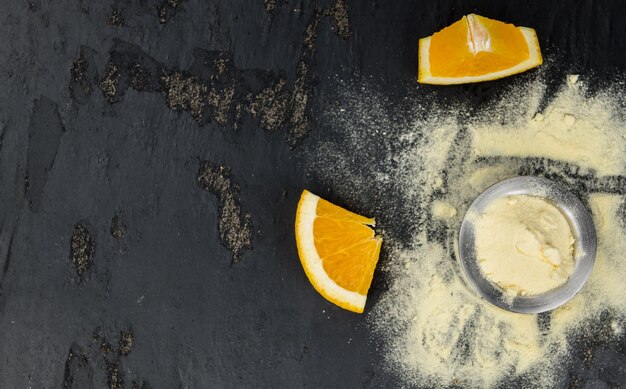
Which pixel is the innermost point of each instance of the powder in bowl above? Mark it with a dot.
(524, 244)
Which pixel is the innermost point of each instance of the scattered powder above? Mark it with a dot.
(435, 330)
(572, 129)
(439, 332)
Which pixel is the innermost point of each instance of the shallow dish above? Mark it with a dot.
(580, 222)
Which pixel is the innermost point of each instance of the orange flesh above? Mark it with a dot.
(347, 247)
(476, 45)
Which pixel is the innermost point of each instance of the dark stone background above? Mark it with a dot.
(150, 167)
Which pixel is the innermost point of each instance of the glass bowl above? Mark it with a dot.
(580, 222)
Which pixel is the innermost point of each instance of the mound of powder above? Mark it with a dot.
(524, 244)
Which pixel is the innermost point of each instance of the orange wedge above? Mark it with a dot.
(476, 49)
(337, 249)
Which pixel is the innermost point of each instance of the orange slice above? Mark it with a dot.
(477, 49)
(337, 249)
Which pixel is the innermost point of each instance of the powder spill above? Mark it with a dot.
(435, 330)
(557, 134)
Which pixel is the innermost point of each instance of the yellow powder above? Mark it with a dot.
(443, 210)
(524, 244)
(572, 129)
(483, 178)
(435, 330)
(448, 334)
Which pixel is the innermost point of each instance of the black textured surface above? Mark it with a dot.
(146, 132)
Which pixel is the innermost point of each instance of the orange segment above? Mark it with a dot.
(477, 49)
(332, 235)
(353, 268)
(332, 211)
(337, 249)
